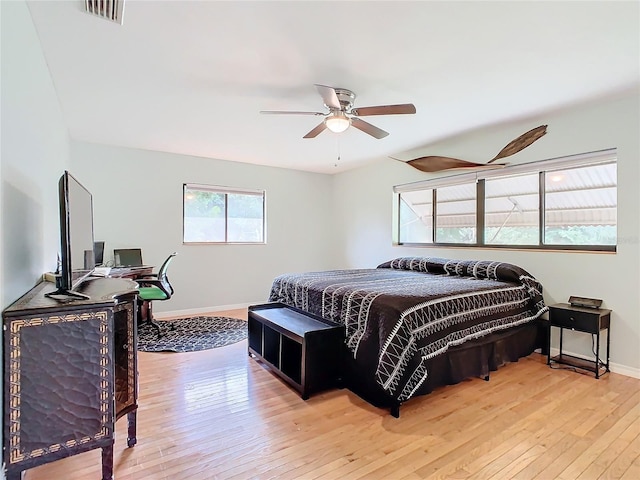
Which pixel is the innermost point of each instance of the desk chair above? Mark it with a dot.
(152, 288)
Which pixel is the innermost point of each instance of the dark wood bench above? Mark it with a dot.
(303, 349)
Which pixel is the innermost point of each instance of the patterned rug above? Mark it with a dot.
(191, 334)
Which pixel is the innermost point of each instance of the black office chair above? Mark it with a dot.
(152, 288)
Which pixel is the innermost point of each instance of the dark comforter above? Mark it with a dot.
(409, 310)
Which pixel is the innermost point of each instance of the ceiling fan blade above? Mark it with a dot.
(329, 96)
(316, 131)
(385, 110)
(368, 128)
(434, 163)
(520, 143)
(282, 112)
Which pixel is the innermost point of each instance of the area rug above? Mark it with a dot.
(191, 334)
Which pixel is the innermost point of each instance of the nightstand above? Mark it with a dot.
(581, 319)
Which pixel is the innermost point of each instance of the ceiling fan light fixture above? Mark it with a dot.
(337, 122)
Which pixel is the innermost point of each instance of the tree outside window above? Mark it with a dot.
(223, 215)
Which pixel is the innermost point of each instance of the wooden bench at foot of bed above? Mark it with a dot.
(303, 349)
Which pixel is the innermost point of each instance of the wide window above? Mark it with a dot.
(563, 203)
(223, 215)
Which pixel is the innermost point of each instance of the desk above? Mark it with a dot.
(134, 273)
(70, 371)
(131, 272)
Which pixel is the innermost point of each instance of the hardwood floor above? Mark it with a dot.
(218, 414)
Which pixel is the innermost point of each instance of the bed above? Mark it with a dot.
(413, 324)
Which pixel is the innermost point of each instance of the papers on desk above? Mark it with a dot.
(101, 271)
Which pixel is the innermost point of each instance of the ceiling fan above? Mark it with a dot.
(343, 114)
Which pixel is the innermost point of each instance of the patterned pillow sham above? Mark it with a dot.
(417, 264)
(479, 269)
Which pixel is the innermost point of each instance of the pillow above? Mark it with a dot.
(479, 269)
(462, 268)
(472, 268)
(508, 272)
(416, 264)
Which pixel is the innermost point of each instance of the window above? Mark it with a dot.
(416, 213)
(456, 213)
(564, 203)
(223, 215)
(512, 210)
(581, 206)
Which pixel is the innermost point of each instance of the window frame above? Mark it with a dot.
(226, 191)
(601, 157)
(440, 203)
(483, 205)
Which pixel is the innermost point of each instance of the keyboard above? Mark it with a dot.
(101, 271)
(124, 272)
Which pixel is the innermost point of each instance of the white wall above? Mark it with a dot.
(142, 206)
(34, 153)
(137, 199)
(365, 200)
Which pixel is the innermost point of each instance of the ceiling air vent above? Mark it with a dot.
(107, 9)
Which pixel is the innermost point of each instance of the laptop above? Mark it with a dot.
(127, 257)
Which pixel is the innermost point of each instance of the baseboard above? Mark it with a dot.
(624, 370)
(199, 311)
(614, 367)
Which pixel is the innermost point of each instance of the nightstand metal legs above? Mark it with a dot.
(587, 320)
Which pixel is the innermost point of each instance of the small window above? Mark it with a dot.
(223, 215)
(456, 214)
(512, 210)
(581, 206)
(416, 216)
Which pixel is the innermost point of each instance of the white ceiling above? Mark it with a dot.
(190, 77)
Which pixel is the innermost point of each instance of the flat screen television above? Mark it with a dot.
(77, 255)
(98, 251)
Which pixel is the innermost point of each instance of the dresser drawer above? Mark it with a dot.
(590, 322)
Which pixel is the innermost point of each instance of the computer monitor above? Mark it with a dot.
(98, 252)
(127, 257)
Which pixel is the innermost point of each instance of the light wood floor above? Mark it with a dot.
(218, 414)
